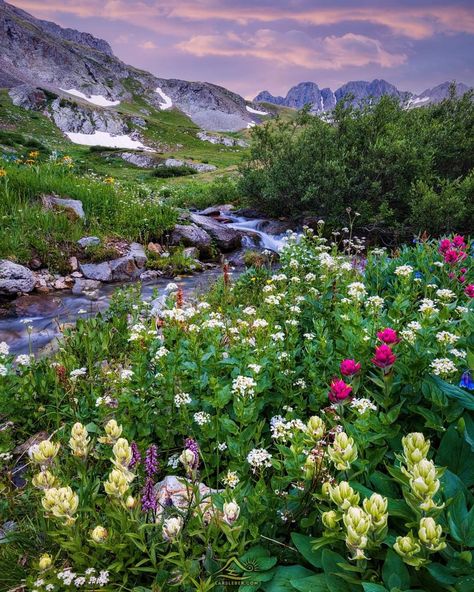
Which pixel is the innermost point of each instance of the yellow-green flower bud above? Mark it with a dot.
(344, 496)
(415, 448)
(44, 480)
(330, 519)
(430, 535)
(61, 503)
(376, 507)
(343, 452)
(130, 502)
(113, 431)
(99, 534)
(171, 528)
(79, 440)
(326, 489)
(316, 428)
(122, 453)
(45, 452)
(45, 562)
(116, 484)
(408, 548)
(424, 482)
(231, 511)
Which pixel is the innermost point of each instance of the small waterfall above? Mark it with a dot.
(267, 241)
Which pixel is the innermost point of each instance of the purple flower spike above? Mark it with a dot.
(151, 460)
(192, 445)
(149, 500)
(136, 456)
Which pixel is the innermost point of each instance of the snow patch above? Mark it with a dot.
(251, 124)
(418, 101)
(94, 99)
(168, 103)
(255, 111)
(107, 140)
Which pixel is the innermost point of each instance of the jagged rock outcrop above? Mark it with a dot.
(224, 140)
(15, 278)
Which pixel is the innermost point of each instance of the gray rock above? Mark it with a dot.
(71, 117)
(216, 210)
(89, 241)
(28, 97)
(226, 238)
(200, 167)
(191, 253)
(126, 268)
(138, 159)
(190, 235)
(15, 278)
(72, 207)
(150, 274)
(224, 140)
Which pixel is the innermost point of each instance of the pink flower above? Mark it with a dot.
(384, 356)
(349, 367)
(469, 290)
(388, 336)
(339, 390)
(444, 245)
(452, 256)
(458, 241)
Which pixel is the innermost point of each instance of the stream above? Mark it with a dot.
(36, 327)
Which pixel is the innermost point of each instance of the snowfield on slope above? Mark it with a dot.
(107, 140)
(98, 100)
(168, 103)
(255, 111)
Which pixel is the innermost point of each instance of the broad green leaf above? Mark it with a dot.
(316, 583)
(304, 545)
(395, 573)
(369, 587)
(332, 563)
(456, 454)
(454, 392)
(284, 576)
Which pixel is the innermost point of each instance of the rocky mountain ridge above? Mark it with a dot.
(324, 100)
(83, 69)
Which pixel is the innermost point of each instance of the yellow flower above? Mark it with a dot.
(109, 180)
(45, 452)
(61, 503)
(44, 480)
(3, 172)
(33, 154)
(79, 440)
(113, 431)
(344, 496)
(122, 453)
(99, 534)
(343, 452)
(315, 428)
(430, 535)
(408, 548)
(117, 484)
(45, 561)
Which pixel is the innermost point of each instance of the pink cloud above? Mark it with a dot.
(296, 48)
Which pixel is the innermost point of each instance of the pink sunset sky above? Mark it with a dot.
(248, 46)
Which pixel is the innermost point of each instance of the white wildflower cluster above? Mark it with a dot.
(173, 461)
(250, 311)
(125, 374)
(244, 386)
(443, 366)
(4, 348)
(75, 374)
(278, 336)
(283, 429)
(362, 405)
(280, 277)
(403, 270)
(161, 352)
(427, 307)
(255, 368)
(374, 303)
(139, 331)
(68, 577)
(446, 338)
(356, 290)
(181, 399)
(272, 300)
(260, 324)
(202, 418)
(179, 314)
(24, 359)
(231, 479)
(3, 370)
(445, 295)
(259, 458)
(458, 353)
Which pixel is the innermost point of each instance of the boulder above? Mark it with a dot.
(150, 274)
(138, 159)
(227, 239)
(72, 207)
(34, 305)
(28, 97)
(15, 278)
(191, 253)
(82, 285)
(89, 241)
(276, 226)
(216, 210)
(179, 492)
(128, 267)
(155, 248)
(199, 167)
(190, 235)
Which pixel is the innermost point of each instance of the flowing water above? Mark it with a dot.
(37, 325)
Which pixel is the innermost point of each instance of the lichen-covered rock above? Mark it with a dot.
(72, 207)
(126, 268)
(226, 238)
(15, 278)
(89, 241)
(190, 235)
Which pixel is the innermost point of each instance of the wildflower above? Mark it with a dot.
(315, 428)
(44, 453)
(125, 374)
(79, 440)
(231, 479)
(343, 452)
(427, 307)
(349, 367)
(44, 480)
(122, 454)
(61, 503)
(403, 270)
(130, 502)
(259, 458)
(149, 499)
(181, 399)
(424, 483)
(3, 172)
(171, 528)
(113, 431)
(231, 511)
(75, 374)
(430, 535)
(45, 562)
(117, 484)
(356, 290)
(357, 523)
(467, 380)
(443, 366)
(24, 359)
(446, 338)
(384, 357)
(244, 386)
(388, 336)
(376, 507)
(4, 348)
(99, 534)
(343, 496)
(408, 548)
(255, 368)
(339, 391)
(374, 303)
(330, 519)
(415, 448)
(445, 294)
(202, 418)
(190, 456)
(469, 290)
(362, 405)
(136, 456)
(151, 460)
(3, 370)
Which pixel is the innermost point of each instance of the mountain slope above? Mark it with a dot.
(36, 52)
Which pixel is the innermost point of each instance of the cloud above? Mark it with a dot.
(296, 48)
(147, 45)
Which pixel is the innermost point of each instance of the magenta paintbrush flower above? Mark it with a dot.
(384, 356)
(388, 336)
(349, 367)
(339, 391)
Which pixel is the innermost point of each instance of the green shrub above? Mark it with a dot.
(163, 172)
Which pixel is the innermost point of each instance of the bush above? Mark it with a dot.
(163, 172)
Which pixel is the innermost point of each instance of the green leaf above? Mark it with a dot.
(454, 392)
(332, 563)
(369, 587)
(395, 573)
(284, 577)
(456, 454)
(316, 583)
(304, 545)
(441, 573)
